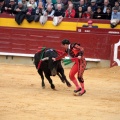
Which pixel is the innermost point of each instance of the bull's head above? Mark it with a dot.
(52, 65)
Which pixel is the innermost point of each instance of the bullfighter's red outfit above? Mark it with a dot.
(73, 51)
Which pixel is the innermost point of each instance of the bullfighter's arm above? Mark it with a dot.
(81, 51)
(61, 56)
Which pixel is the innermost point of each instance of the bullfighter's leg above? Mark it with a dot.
(50, 81)
(81, 68)
(73, 71)
(81, 80)
(42, 77)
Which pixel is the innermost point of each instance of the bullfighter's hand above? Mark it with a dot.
(79, 57)
(54, 59)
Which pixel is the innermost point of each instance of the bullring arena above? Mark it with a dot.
(22, 97)
(21, 94)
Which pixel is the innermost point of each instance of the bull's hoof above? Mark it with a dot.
(63, 80)
(52, 86)
(43, 87)
(68, 84)
(55, 89)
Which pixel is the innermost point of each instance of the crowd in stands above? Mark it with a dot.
(41, 10)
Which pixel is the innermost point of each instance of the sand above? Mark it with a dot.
(23, 98)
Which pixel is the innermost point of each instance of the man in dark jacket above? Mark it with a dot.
(10, 7)
(58, 15)
(20, 10)
(30, 13)
(2, 6)
(98, 14)
(93, 5)
(106, 4)
(82, 4)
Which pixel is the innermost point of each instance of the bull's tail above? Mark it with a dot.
(38, 56)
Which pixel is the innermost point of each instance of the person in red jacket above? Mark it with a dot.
(70, 12)
(76, 54)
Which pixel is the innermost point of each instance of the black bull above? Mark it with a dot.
(49, 67)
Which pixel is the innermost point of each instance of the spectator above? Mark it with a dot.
(8, 1)
(33, 3)
(119, 2)
(39, 11)
(90, 24)
(24, 2)
(30, 13)
(117, 6)
(59, 2)
(99, 2)
(115, 18)
(105, 5)
(54, 1)
(88, 14)
(58, 15)
(20, 13)
(48, 2)
(44, 2)
(75, 1)
(20, 8)
(82, 4)
(10, 8)
(98, 14)
(79, 13)
(93, 5)
(108, 13)
(66, 6)
(2, 6)
(70, 12)
(87, 2)
(112, 2)
(70, 2)
(65, 2)
(49, 13)
(115, 14)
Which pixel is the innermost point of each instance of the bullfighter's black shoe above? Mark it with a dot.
(75, 91)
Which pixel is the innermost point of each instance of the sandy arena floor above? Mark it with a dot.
(22, 97)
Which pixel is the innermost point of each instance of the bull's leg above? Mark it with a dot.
(42, 77)
(50, 81)
(62, 79)
(61, 71)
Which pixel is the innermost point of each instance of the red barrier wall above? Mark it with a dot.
(97, 42)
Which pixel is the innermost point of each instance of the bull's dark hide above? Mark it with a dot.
(49, 67)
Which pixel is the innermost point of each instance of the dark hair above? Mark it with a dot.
(98, 7)
(65, 41)
(115, 8)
